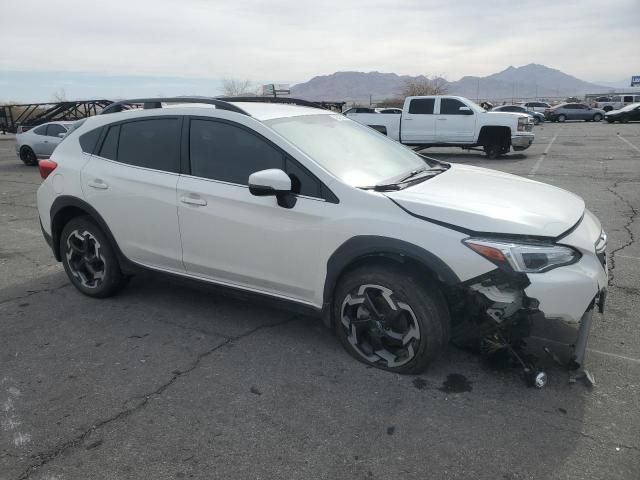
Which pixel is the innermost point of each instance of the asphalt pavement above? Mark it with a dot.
(172, 380)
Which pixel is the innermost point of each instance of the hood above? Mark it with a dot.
(489, 201)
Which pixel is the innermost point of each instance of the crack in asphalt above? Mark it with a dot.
(595, 439)
(34, 292)
(627, 226)
(44, 458)
(194, 329)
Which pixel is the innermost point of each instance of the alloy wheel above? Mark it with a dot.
(380, 327)
(85, 260)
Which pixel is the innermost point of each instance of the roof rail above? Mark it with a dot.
(288, 100)
(149, 103)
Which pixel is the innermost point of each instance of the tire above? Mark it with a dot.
(536, 121)
(28, 157)
(493, 151)
(402, 322)
(624, 119)
(597, 117)
(562, 118)
(89, 258)
(610, 120)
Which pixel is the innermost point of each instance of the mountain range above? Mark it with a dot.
(529, 81)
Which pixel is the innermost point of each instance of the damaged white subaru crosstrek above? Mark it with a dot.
(399, 252)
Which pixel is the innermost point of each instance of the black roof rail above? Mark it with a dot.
(287, 100)
(157, 103)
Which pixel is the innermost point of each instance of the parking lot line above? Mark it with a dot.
(535, 168)
(627, 256)
(614, 355)
(628, 143)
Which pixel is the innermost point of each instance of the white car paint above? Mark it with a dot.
(413, 128)
(228, 236)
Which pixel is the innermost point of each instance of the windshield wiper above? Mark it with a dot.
(414, 176)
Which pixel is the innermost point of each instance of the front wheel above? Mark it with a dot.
(597, 117)
(562, 118)
(388, 319)
(89, 259)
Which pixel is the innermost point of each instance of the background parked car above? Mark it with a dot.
(630, 113)
(574, 111)
(39, 142)
(537, 116)
(535, 106)
(616, 102)
(391, 110)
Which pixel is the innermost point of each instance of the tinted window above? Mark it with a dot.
(364, 110)
(451, 106)
(41, 130)
(109, 147)
(422, 106)
(222, 151)
(628, 99)
(302, 181)
(88, 140)
(512, 109)
(391, 111)
(54, 130)
(151, 144)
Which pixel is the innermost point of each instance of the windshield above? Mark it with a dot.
(630, 107)
(356, 154)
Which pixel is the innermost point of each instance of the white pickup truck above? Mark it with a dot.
(452, 121)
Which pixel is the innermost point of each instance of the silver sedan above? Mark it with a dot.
(39, 142)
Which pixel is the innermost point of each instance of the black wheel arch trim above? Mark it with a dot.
(66, 201)
(362, 246)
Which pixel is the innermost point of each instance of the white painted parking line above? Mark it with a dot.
(627, 256)
(535, 168)
(614, 355)
(628, 143)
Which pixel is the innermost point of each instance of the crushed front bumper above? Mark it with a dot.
(522, 142)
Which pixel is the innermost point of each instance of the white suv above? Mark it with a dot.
(397, 251)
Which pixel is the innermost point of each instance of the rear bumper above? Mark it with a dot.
(522, 142)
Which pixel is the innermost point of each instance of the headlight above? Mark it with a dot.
(522, 123)
(522, 257)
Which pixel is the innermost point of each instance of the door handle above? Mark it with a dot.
(97, 183)
(193, 200)
(441, 119)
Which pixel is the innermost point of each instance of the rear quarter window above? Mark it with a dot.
(89, 140)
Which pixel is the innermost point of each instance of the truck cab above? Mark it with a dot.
(448, 120)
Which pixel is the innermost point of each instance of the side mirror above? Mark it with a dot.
(272, 182)
(465, 111)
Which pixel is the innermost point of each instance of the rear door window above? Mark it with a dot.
(109, 147)
(153, 143)
(53, 130)
(42, 130)
(422, 106)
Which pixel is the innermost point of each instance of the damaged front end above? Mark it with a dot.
(493, 315)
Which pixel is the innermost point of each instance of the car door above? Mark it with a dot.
(454, 125)
(235, 238)
(39, 140)
(418, 124)
(132, 181)
(53, 137)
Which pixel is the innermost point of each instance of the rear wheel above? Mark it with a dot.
(493, 151)
(28, 156)
(386, 318)
(89, 259)
(597, 117)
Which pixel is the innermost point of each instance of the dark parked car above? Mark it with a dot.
(630, 113)
(573, 111)
(537, 116)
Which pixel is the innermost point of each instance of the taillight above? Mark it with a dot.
(46, 167)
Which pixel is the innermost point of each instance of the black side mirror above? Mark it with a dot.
(273, 182)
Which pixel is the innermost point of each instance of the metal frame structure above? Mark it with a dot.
(33, 114)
